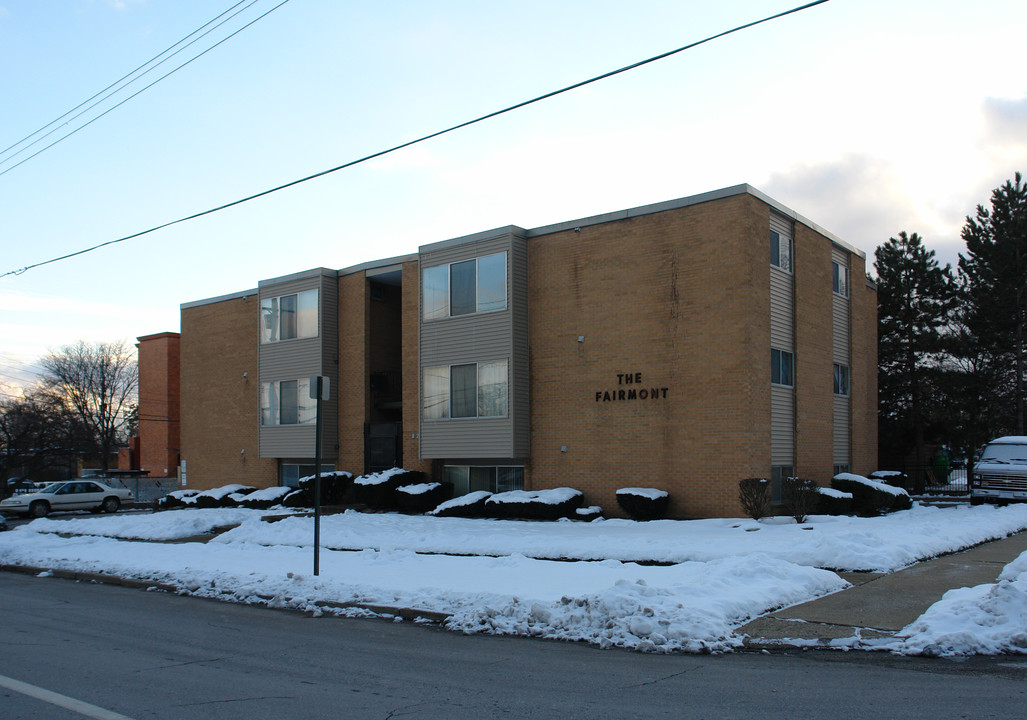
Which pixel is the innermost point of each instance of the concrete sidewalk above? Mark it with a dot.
(878, 605)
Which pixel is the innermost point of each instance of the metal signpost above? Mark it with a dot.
(318, 392)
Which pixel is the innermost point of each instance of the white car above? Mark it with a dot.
(68, 495)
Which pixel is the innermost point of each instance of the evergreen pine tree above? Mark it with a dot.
(915, 299)
(994, 280)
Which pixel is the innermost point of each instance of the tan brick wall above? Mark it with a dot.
(657, 295)
(814, 364)
(159, 393)
(864, 371)
(354, 397)
(411, 381)
(220, 407)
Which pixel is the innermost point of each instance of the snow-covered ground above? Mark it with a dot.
(591, 581)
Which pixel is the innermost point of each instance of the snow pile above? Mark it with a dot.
(650, 493)
(724, 571)
(546, 497)
(418, 489)
(988, 619)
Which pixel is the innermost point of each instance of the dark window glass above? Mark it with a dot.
(483, 478)
(463, 294)
(775, 248)
(287, 304)
(290, 403)
(463, 383)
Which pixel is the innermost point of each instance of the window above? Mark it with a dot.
(840, 279)
(782, 367)
(288, 316)
(778, 474)
(841, 379)
(468, 478)
(287, 402)
(464, 288)
(839, 469)
(780, 251)
(465, 391)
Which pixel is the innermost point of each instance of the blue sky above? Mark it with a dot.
(866, 116)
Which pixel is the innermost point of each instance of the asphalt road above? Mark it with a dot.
(74, 650)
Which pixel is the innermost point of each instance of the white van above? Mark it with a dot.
(1000, 475)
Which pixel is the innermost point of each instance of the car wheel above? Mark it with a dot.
(40, 508)
(111, 505)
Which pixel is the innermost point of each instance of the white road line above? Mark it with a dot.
(82, 708)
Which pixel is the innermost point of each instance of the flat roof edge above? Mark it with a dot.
(743, 189)
(220, 298)
(376, 264)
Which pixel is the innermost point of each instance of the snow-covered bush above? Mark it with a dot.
(219, 497)
(592, 512)
(534, 504)
(754, 495)
(378, 490)
(870, 497)
(175, 499)
(263, 499)
(833, 502)
(334, 486)
(800, 496)
(422, 497)
(891, 477)
(470, 505)
(643, 503)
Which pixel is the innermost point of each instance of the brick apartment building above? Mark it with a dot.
(684, 345)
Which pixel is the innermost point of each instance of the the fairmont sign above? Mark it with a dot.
(630, 387)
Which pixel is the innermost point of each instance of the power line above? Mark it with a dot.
(114, 84)
(144, 89)
(380, 153)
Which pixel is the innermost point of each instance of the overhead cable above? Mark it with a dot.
(421, 139)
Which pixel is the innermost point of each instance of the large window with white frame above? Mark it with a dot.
(840, 279)
(287, 317)
(841, 379)
(780, 251)
(287, 402)
(468, 390)
(472, 286)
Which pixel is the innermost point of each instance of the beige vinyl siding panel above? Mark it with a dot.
(782, 304)
(300, 358)
(782, 425)
(842, 454)
(782, 337)
(479, 338)
(519, 372)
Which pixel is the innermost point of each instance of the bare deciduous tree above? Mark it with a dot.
(97, 382)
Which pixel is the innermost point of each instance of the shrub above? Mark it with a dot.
(891, 477)
(870, 497)
(219, 497)
(378, 490)
(470, 505)
(299, 498)
(587, 514)
(334, 486)
(833, 502)
(534, 505)
(800, 496)
(268, 497)
(754, 495)
(422, 497)
(175, 499)
(643, 503)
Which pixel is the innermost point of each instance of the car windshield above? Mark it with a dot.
(1005, 453)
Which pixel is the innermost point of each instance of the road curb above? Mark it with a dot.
(410, 614)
